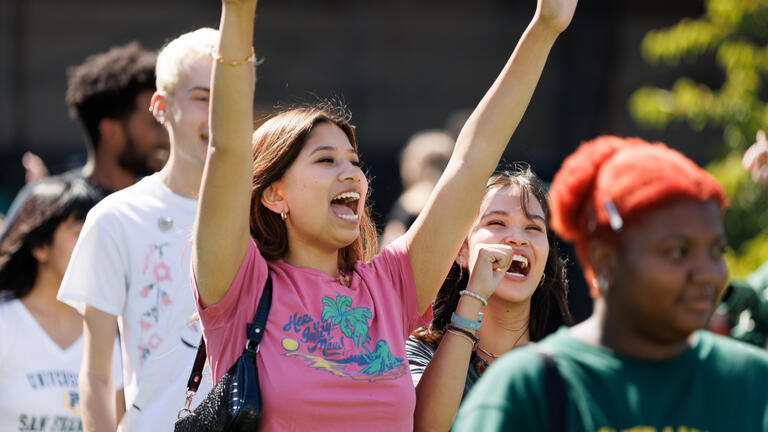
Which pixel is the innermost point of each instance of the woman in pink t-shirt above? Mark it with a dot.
(333, 351)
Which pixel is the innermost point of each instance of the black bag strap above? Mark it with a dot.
(555, 389)
(254, 331)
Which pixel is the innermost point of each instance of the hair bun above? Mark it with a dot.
(573, 185)
(632, 174)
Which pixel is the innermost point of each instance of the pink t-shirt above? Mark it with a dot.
(332, 357)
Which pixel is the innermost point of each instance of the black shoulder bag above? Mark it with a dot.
(234, 404)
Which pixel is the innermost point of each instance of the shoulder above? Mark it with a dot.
(510, 379)
(124, 204)
(9, 320)
(731, 354)
(392, 261)
(8, 307)
(509, 396)
(116, 202)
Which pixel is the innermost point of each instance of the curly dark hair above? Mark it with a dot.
(50, 202)
(549, 303)
(106, 86)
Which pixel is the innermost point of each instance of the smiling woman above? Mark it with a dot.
(312, 168)
(508, 268)
(647, 224)
(333, 352)
(41, 339)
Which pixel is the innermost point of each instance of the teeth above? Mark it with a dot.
(347, 196)
(520, 259)
(351, 218)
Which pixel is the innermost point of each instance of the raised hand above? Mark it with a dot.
(556, 14)
(34, 166)
(491, 264)
(756, 159)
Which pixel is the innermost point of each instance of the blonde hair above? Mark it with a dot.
(425, 157)
(176, 54)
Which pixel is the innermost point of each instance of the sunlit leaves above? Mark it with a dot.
(735, 34)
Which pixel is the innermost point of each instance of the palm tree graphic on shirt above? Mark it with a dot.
(353, 323)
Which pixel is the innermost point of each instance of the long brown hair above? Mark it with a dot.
(276, 145)
(549, 302)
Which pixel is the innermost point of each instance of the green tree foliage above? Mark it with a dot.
(735, 34)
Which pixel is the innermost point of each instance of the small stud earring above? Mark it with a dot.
(602, 284)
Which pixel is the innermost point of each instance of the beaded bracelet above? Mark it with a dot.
(464, 322)
(465, 332)
(475, 295)
(216, 56)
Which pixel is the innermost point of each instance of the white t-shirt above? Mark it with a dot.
(38, 379)
(132, 260)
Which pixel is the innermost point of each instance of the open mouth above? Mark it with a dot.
(519, 266)
(344, 205)
(204, 137)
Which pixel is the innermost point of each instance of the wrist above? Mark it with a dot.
(469, 324)
(544, 28)
(244, 9)
(475, 295)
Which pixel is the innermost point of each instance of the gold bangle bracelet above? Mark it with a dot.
(216, 56)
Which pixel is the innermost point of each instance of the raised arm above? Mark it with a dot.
(441, 386)
(435, 237)
(221, 231)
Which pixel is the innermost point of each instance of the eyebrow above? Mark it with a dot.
(331, 148)
(504, 213)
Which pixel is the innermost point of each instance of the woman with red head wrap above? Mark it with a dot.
(647, 226)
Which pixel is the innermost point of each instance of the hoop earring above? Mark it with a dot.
(284, 215)
(543, 278)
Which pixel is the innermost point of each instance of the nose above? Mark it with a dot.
(515, 236)
(350, 173)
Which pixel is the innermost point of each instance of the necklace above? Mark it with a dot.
(495, 356)
(343, 278)
(489, 354)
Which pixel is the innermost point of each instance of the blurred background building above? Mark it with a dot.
(401, 66)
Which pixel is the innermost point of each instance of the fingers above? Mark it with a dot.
(756, 159)
(491, 264)
(34, 166)
(498, 256)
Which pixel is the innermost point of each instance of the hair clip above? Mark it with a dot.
(614, 219)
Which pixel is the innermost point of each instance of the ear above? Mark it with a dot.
(41, 253)
(603, 259)
(462, 259)
(157, 106)
(111, 133)
(274, 199)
